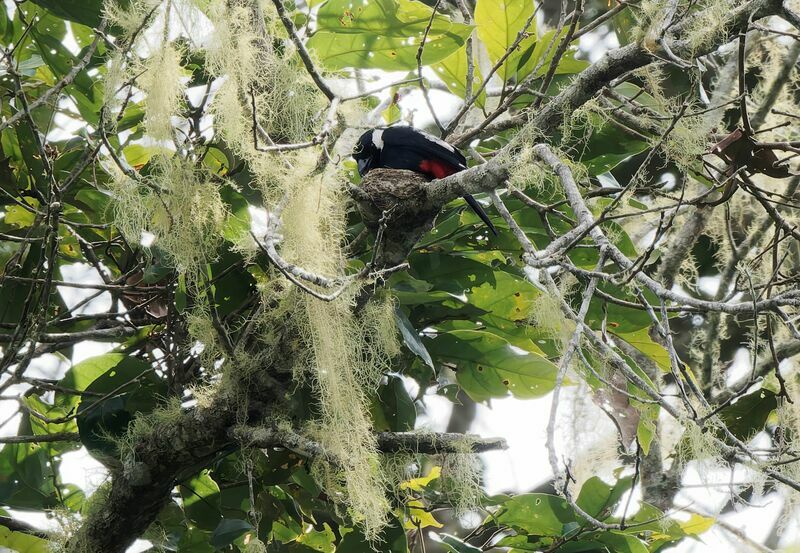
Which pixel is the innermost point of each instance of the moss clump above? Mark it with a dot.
(698, 444)
(144, 428)
(68, 538)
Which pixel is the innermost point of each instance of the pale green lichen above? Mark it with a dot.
(461, 477)
(342, 355)
(287, 104)
(163, 83)
(178, 203)
(546, 313)
(129, 16)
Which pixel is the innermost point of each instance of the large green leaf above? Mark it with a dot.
(62, 406)
(127, 388)
(749, 413)
(499, 23)
(393, 409)
(538, 514)
(453, 72)
(488, 366)
(201, 501)
(411, 337)
(383, 34)
(642, 341)
(22, 543)
(599, 499)
(84, 373)
(228, 530)
(26, 474)
(87, 12)
(607, 146)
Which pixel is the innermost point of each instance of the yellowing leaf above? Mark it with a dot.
(641, 340)
(21, 543)
(419, 517)
(417, 484)
(697, 524)
(137, 155)
(19, 216)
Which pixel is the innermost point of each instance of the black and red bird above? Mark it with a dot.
(414, 150)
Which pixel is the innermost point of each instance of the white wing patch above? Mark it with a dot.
(377, 138)
(438, 141)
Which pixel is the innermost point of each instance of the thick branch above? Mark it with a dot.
(387, 442)
(614, 64)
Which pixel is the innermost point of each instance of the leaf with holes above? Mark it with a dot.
(487, 366)
(538, 514)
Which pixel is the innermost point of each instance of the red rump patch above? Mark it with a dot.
(436, 168)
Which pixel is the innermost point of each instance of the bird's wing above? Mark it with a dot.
(426, 145)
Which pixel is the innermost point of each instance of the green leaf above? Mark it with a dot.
(201, 501)
(87, 12)
(453, 72)
(411, 338)
(538, 514)
(237, 222)
(62, 406)
(608, 146)
(84, 373)
(509, 297)
(749, 413)
(195, 540)
(19, 216)
(26, 474)
(499, 23)
(22, 543)
(392, 540)
(599, 499)
(542, 56)
(125, 389)
(319, 540)
(382, 34)
(641, 340)
(618, 318)
(138, 155)
(395, 408)
(228, 530)
(488, 366)
(647, 428)
(621, 543)
(624, 24)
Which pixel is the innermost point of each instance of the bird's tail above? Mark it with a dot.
(476, 207)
